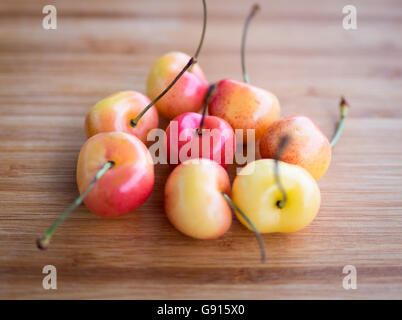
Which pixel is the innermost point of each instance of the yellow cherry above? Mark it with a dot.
(256, 192)
(194, 201)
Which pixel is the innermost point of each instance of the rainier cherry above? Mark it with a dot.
(115, 175)
(192, 135)
(259, 196)
(242, 105)
(193, 199)
(308, 148)
(190, 90)
(197, 201)
(272, 196)
(128, 111)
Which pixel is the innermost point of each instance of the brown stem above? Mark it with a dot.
(283, 142)
(204, 28)
(344, 106)
(205, 107)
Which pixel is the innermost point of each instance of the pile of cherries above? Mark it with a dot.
(278, 193)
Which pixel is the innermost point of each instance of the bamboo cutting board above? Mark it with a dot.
(50, 78)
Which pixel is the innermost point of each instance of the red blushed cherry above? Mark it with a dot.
(115, 175)
(184, 139)
(188, 94)
(244, 106)
(128, 111)
(126, 185)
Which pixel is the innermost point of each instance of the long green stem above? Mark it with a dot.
(252, 226)
(205, 107)
(283, 142)
(135, 121)
(252, 13)
(44, 240)
(344, 112)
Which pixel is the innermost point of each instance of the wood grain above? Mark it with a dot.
(299, 50)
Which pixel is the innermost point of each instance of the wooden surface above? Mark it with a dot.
(298, 50)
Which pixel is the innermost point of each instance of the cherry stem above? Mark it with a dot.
(344, 105)
(252, 13)
(134, 122)
(43, 241)
(204, 28)
(257, 234)
(205, 107)
(283, 142)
